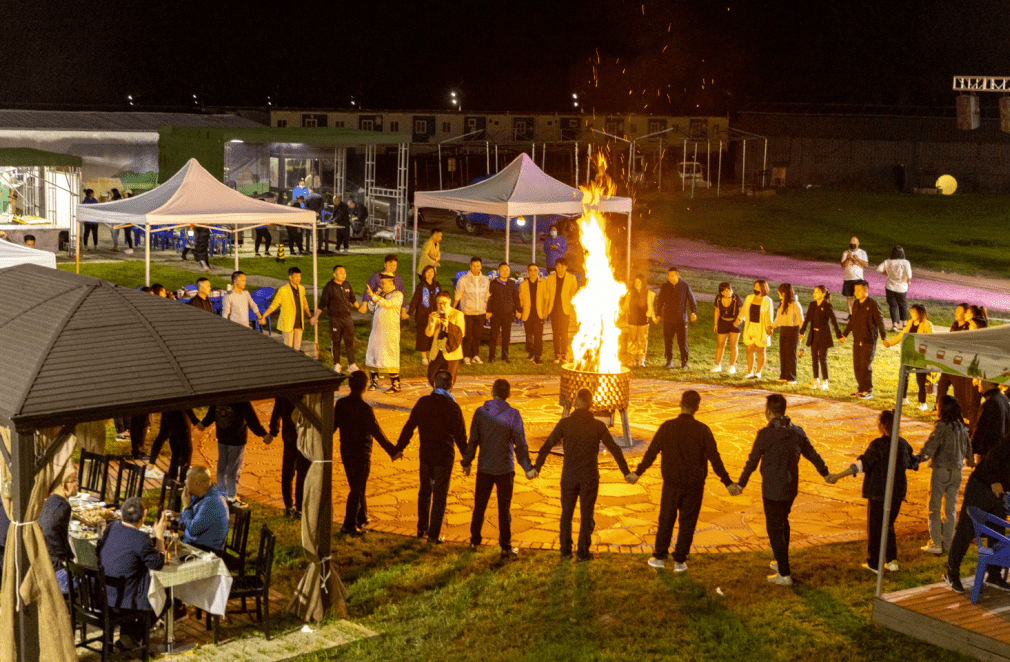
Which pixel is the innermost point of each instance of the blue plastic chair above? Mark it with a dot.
(262, 297)
(998, 555)
(455, 279)
(217, 305)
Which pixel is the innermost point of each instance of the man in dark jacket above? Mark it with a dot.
(54, 520)
(581, 434)
(354, 419)
(498, 430)
(342, 221)
(778, 448)
(338, 299)
(502, 309)
(687, 446)
(177, 428)
(673, 306)
(127, 555)
(233, 424)
(294, 465)
(865, 323)
(986, 486)
(202, 300)
(439, 424)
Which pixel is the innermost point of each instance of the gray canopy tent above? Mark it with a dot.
(983, 354)
(57, 330)
(519, 189)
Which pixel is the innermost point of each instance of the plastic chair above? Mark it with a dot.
(459, 274)
(93, 474)
(217, 305)
(997, 555)
(89, 604)
(256, 585)
(262, 297)
(129, 481)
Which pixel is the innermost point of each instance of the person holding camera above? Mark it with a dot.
(445, 328)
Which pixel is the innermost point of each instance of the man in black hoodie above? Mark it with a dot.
(440, 426)
(778, 448)
(864, 324)
(581, 434)
(687, 446)
(338, 299)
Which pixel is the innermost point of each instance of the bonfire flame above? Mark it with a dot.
(596, 344)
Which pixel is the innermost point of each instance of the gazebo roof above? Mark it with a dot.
(76, 348)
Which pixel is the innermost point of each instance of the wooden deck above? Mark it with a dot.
(939, 616)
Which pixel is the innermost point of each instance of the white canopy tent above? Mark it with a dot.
(12, 254)
(983, 354)
(519, 189)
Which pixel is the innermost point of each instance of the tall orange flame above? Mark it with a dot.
(596, 344)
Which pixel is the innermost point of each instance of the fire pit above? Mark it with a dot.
(611, 392)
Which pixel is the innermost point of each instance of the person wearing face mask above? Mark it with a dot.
(555, 246)
(854, 261)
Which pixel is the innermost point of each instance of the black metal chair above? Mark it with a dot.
(89, 604)
(255, 586)
(93, 474)
(234, 553)
(129, 481)
(171, 496)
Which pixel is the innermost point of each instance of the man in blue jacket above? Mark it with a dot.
(497, 429)
(555, 246)
(673, 305)
(205, 514)
(778, 448)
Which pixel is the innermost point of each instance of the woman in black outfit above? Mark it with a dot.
(788, 322)
(819, 315)
(421, 306)
(728, 324)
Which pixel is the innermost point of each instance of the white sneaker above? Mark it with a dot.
(932, 549)
(679, 567)
(904, 401)
(717, 368)
(866, 566)
(336, 367)
(749, 375)
(476, 359)
(153, 472)
(816, 384)
(352, 368)
(774, 565)
(731, 370)
(780, 580)
(892, 566)
(656, 563)
(824, 385)
(129, 251)
(466, 360)
(923, 407)
(792, 381)
(757, 375)
(424, 360)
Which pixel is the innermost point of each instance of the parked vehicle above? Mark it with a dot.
(522, 228)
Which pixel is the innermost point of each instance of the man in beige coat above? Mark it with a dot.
(561, 286)
(445, 328)
(533, 299)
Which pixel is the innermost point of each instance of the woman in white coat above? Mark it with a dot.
(757, 328)
(383, 354)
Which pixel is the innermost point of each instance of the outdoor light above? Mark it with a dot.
(574, 95)
(521, 222)
(946, 184)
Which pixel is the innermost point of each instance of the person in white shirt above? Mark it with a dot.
(472, 293)
(899, 275)
(238, 302)
(854, 261)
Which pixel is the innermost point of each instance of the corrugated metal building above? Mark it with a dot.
(876, 148)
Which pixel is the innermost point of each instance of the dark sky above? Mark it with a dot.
(671, 56)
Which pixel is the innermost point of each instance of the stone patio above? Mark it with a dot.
(626, 515)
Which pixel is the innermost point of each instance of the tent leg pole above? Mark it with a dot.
(23, 470)
(413, 261)
(533, 256)
(628, 269)
(326, 501)
(718, 181)
(235, 245)
(315, 282)
(147, 255)
(892, 460)
(78, 248)
(508, 226)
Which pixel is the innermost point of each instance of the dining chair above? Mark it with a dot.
(171, 495)
(234, 553)
(89, 605)
(129, 481)
(255, 586)
(93, 474)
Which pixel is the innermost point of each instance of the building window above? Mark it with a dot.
(394, 126)
(310, 122)
(655, 126)
(339, 124)
(471, 123)
(446, 127)
(367, 125)
(520, 127)
(496, 122)
(421, 126)
(634, 128)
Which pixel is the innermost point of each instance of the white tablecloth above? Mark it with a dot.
(203, 583)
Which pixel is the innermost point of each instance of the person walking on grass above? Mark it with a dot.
(865, 323)
(441, 429)
(497, 429)
(728, 325)
(675, 304)
(820, 318)
(688, 447)
(918, 324)
(582, 435)
(778, 448)
(757, 328)
(873, 465)
(788, 322)
(947, 450)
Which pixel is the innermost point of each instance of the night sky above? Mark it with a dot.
(657, 57)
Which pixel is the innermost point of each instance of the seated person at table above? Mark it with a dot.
(54, 520)
(205, 512)
(128, 555)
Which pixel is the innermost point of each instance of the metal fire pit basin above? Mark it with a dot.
(611, 390)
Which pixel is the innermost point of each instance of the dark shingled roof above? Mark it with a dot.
(76, 348)
(70, 120)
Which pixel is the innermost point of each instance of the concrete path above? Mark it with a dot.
(626, 515)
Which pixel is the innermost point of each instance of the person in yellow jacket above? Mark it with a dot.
(293, 315)
(533, 299)
(445, 328)
(561, 287)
